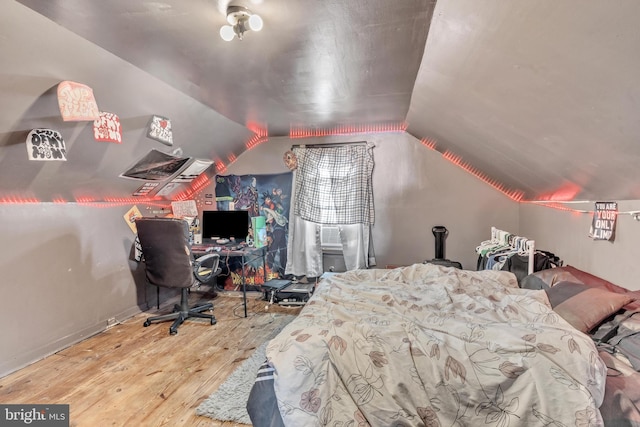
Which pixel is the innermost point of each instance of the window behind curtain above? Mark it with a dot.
(333, 184)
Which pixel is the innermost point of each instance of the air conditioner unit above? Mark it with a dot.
(330, 238)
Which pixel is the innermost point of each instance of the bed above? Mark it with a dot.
(427, 345)
(610, 315)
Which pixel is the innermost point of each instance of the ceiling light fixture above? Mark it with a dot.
(240, 19)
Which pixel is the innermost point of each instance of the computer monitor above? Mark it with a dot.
(225, 224)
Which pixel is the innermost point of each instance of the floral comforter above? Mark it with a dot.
(428, 345)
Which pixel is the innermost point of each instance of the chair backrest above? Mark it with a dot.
(166, 251)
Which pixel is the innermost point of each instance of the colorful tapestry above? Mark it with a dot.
(261, 195)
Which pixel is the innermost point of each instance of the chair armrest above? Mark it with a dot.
(206, 267)
(214, 257)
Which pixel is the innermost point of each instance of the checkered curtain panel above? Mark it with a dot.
(333, 184)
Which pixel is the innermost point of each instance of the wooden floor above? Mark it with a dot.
(130, 375)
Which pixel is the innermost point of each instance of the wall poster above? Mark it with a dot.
(261, 195)
(603, 224)
(155, 166)
(184, 208)
(46, 144)
(130, 218)
(107, 128)
(159, 128)
(76, 102)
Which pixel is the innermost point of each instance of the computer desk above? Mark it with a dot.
(248, 254)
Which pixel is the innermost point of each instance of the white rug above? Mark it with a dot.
(229, 402)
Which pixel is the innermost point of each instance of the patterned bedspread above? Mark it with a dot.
(428, 345)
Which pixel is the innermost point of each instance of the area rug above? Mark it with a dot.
(229, 402)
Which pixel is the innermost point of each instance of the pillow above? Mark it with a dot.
(583, 306)
(544, 279)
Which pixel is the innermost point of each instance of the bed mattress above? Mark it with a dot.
(430, 345)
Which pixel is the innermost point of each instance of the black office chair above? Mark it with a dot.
(170, 263)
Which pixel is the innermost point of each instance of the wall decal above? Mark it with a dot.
(130, 218)
(159, 128)
(192, 171)
(107, 128)
(76, 102)
(156, 166)
(169, 189)
(182, 208)
(46, 144)
(603, 224)
(146, 188)
(290, 160)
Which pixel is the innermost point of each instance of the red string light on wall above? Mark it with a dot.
(516, 195)
(305, 132)
(220, 167)
(429, 143)
(109, 202)
(560, 207)
(258, 129)
(18, 200)
(195, 186)
(255, 141)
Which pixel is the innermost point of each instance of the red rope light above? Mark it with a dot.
(304, 132)
(429, 143)
(255, 141)
(515, 195)
(220, 167)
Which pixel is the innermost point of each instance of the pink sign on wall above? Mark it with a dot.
(76, 102)
(107, 128)
(46, 144)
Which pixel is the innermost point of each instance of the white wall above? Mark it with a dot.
(415, 189)
(65, 267)
(66, 270)
(567, 235)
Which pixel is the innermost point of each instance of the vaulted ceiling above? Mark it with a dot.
(539, 98)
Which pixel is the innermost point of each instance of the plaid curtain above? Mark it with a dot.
(333, 184)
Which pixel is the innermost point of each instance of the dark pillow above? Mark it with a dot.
(583, 306)
(544, 279)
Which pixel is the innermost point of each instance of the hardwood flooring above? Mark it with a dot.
(130, 375)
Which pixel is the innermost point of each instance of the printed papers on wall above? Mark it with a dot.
(156, 166)
(131, 216)
(159, 128)
(184, 208)
(603, 224)
(107, 128)
(46, 144)
(76, 102)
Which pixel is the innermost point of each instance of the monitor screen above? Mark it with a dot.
(225, 224)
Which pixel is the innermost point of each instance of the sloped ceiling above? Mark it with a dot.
(540, 97)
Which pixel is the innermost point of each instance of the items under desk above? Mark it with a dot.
(247, 255)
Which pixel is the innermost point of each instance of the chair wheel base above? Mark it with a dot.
(182, 312)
